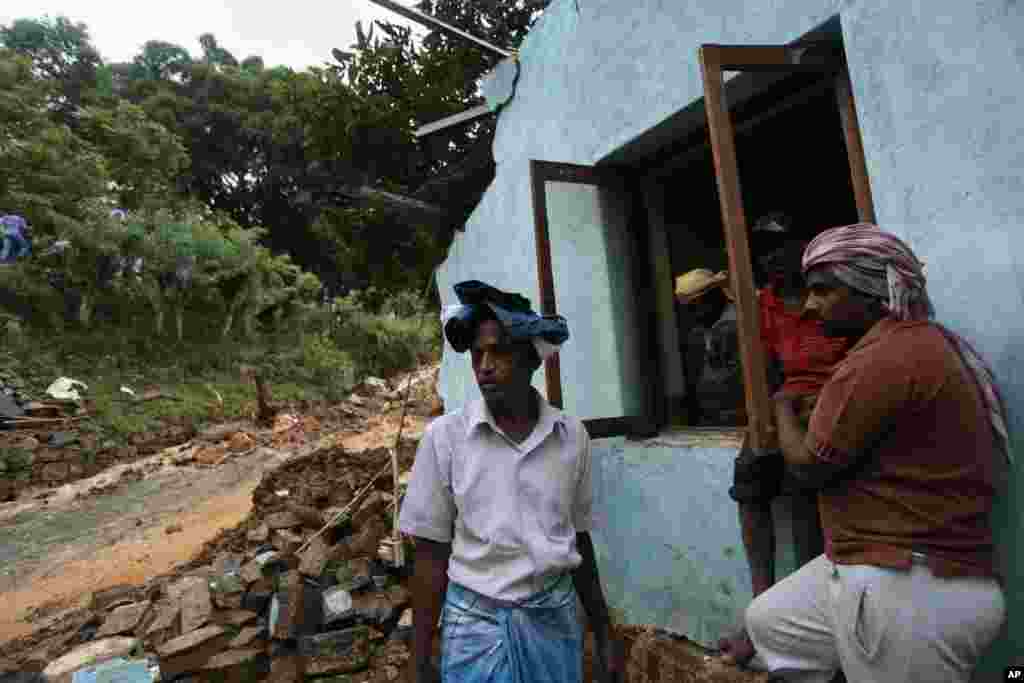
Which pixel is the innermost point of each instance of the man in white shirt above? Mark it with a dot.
(500, 508)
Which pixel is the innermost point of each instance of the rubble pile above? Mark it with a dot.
(305, 588)
(284, 597)
(654, 655)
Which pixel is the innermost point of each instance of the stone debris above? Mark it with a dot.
(115, 596)
(190, 652)
(241, 442)
(250, 606)
(283, 520)
(124, 619)
(196, 606)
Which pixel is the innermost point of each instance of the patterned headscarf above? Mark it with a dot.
(546, 332)
(879, 264)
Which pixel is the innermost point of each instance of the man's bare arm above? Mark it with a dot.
(429, 585)
(588, 587)
(811, 471)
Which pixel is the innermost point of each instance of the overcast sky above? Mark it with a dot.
(295, 33)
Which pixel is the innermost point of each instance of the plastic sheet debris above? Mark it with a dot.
(119, 671)
(64, 389)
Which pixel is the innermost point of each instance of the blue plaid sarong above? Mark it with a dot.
(538, 640)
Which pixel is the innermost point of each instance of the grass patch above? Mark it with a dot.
(318, 359)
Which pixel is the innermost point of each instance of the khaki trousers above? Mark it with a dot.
(879, 625)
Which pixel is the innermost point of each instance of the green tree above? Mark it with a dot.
(214, 54)
(49, 173)
(160, 60)
(143, 157)
(60, 50)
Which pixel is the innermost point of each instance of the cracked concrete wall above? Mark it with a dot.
(937, 89)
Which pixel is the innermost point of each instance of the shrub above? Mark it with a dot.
(329, 366)
(384, 335)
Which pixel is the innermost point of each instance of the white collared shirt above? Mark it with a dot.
(511, 511)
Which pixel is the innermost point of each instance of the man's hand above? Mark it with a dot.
(737, 648)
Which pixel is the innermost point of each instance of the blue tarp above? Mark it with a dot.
(16, 243)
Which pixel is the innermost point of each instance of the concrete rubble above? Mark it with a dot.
(252, 605)
(296, 592)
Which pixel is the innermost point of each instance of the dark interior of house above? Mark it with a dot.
(794, 162)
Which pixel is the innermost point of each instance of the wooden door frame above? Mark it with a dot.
(542, 172)
(715, 60)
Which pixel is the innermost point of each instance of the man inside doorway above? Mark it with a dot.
(500, 508)
(907, 442)
(711, 360)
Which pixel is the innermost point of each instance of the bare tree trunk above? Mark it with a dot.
(85, 311)
(179, 319)
(229, 321)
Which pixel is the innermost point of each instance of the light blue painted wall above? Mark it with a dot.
(938, 92)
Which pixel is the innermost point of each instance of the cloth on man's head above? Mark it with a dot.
(479, 301)
(877, 263)
(694, 284)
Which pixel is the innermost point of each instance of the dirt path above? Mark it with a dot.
(60, 552)
(56, 553)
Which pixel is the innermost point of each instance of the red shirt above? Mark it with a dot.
(904, 401)
(806, 354)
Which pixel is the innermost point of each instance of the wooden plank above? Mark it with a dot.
(802, 57)
(723, 147)
(545, 275)
(459, 119)
(854, 148)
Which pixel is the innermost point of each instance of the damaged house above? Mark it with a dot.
(638, 140)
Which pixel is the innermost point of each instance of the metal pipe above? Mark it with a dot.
(431, 22)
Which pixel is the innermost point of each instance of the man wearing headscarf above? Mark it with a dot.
(500, 506)
(907, 441)
(711, 358)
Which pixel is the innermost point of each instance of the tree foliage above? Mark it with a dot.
(255, 175)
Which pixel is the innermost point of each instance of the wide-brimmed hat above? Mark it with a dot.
(698, 282)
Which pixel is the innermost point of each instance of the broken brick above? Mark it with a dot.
(288, 669)
(339, 652)
(311, 517)
(124, 619)
(248, 636)
(166, 616)
(235, 617)
(315, 557)
(287, 541)
(283, 520)
(191, 651)
(372, 507)
(260, 534)
(235, 666)
(196, 606)
(367, 540)
(112, 597)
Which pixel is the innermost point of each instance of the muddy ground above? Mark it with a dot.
(136, 521)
